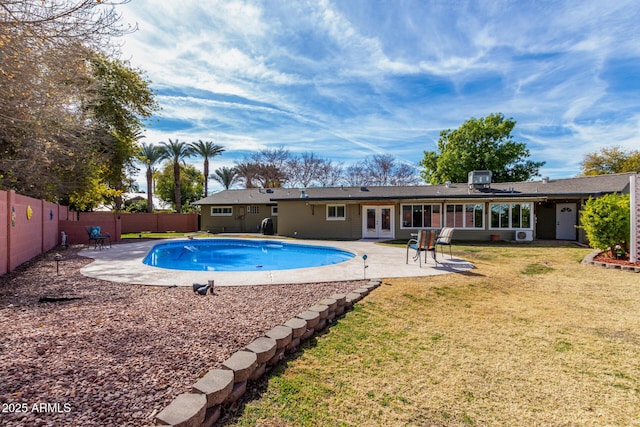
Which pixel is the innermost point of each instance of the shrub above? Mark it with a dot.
(606, 221)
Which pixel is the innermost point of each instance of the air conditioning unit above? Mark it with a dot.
(524, 235)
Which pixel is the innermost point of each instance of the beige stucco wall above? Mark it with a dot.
(309, 221)
(242, 221)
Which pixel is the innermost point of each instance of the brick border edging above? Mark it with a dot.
(588, 260)
(221, 387)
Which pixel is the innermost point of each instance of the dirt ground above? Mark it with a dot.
(77, 351)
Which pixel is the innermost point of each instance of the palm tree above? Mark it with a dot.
(206, 150)
(226, 176)
(150, 155)
(247, 172)
(176, 152)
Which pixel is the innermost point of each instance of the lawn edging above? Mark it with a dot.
(589, 260)
(224, 386)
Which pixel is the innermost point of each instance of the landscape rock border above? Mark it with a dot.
(589, 260)
(222, 387)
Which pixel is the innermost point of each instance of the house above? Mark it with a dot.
(478, 209)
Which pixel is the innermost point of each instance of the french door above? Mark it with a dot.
(377, 222)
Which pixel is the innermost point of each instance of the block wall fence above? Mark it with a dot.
(30, 227)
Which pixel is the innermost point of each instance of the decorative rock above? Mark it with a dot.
(213, 414)
(277, 357)
(264, 348)
(353, 297)
(242, 363)
(311, 317)
(321, 324)
(323, 310)
(298, 325)
(282, 334)
(308, 334)
(329, 302)
(258, 372)
(293, 344)
(186, 410)
(215, 385)
(341, 299)
(236, 393)
(371, 286)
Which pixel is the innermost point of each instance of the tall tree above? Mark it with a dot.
(479, 144)
(150, 155)
(226, 176)
(176, 152)
(384, 169)
(122, 103)
(247, 173)
(191, 184)
(49, 144)
(206, 150)
(611, 160)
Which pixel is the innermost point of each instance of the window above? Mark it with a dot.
(421, 216)
(467, 215)
(253, 209)
(221, 211)
(274, 211)
(514, 215)
(335, 212)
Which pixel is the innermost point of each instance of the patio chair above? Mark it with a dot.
(98, 239)
(425, 242)
(444, 239)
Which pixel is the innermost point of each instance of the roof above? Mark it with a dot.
(247, 196)
(583, 186)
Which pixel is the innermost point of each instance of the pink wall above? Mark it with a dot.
(23, 237)
(4, 228)
(26, 235)
(28, 226)
(159, 222)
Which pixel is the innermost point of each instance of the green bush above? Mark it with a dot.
(606, 221)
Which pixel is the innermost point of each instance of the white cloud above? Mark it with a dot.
(352, 79)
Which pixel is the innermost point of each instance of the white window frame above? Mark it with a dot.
(224, 211)
(464, 216)
(335, 217)
(253, 209)
(274, 211)
(413, 227)
(509, 215)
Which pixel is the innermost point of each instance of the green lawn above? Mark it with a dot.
(529, 337)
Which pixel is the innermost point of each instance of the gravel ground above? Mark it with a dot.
(76, 351)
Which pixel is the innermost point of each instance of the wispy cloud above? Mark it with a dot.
(350, 79)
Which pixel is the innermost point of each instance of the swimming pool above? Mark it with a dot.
(241, 255)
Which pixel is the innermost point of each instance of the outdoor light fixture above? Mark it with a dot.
(57, 257)
(365, 266)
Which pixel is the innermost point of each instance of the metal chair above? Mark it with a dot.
(444, 239)
(425, 242)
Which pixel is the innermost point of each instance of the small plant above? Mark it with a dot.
(606, 222)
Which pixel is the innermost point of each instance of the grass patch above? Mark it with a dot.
(537, 269)
(496, 347)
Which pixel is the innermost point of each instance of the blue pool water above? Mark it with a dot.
(241, 255)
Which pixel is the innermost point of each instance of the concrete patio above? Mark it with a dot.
(123, 263)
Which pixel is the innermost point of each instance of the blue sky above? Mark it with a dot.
(351, 78)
